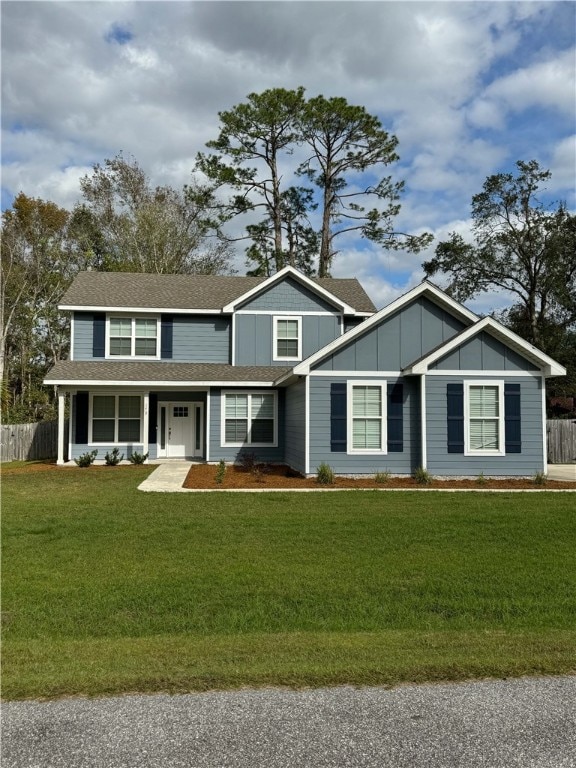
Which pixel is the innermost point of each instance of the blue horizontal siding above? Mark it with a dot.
(295, 426)
(198, 339)
(233, 454)
(83, 336)
(526, 463)
(402, 463)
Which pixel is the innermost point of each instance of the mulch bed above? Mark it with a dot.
(203, 476)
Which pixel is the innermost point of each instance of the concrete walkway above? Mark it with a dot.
(562, 472)
(169, 476)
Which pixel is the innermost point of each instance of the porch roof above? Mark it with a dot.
(123, 373)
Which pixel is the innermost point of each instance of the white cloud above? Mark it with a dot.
(444, 76)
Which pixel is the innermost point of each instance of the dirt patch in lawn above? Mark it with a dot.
(202, 476)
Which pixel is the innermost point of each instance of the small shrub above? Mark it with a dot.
(259, 470)
(86, 459)
(422, 476)
(325, 474)
(220, 472)
(382, 477)
(113, 458)
(137, 458)
(540, 478)
(248, 461)
(481, 480)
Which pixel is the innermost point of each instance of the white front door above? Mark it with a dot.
(184, 427)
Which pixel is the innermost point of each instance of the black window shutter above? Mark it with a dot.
(152, 414)
(81, 421)
(99, 334)
(395, 418)
(512, 420)
(166, 337)
(338, 418)
(455, 414)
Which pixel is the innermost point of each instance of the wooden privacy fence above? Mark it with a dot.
(561, 441)
(27, 442)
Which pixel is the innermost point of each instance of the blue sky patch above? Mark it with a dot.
(118, 34)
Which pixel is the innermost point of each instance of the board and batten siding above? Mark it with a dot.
(527, 463)
(397, 340)
(483, 353)
(254, 337)
(295, 426)
(290, 296)
(197, 339)
(402, 463)
(234, 454)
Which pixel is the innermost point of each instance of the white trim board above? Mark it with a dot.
(163, 384)
(144, 310)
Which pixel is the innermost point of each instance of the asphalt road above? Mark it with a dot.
(493, 724)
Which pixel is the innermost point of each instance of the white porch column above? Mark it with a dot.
(61, 405)
(145, 423)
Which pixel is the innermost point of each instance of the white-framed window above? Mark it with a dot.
(366, 410)
(115, 419)
(133, 337)
(249, 418)
(484, 418)
(287, 338)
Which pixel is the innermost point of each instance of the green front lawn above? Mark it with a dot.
(107, 589)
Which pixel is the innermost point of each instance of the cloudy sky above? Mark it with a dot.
(468, 88)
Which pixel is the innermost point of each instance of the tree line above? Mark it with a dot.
(289, 178)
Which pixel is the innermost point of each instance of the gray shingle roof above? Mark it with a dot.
(122, 372)
(186, 292)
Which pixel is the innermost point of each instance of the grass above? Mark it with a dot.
(108, 590)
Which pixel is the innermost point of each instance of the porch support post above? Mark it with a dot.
(423, 415)
(61, 405)
(145, 423)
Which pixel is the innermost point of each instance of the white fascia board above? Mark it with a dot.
(549, 366)
(438, 296)
(278, 277)
(138, 310)
(168, 385)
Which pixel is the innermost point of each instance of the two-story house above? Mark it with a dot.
(297, 371)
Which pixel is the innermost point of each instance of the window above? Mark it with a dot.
(366, 417)
(287, 338)
(132, 337)
(484, 418)
(115, 419)
(249, 419)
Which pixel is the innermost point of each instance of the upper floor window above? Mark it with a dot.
(287, 338)
(132, 337)
(484, 418)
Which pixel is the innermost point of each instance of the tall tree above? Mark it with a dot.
(520, 246)
(346, 146)
(247, 157)
(136, 227)
(35, 271)
(346, 142)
